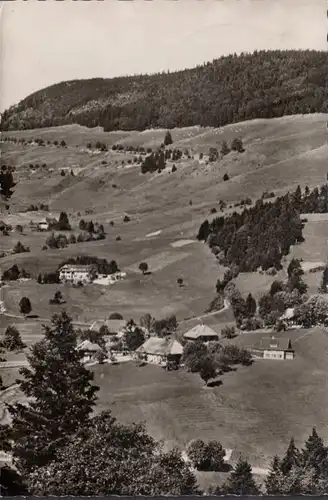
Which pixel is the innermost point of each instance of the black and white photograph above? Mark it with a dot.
(164, 248)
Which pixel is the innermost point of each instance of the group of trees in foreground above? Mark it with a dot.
(60, 448)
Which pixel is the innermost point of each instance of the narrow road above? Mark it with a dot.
(225, 307)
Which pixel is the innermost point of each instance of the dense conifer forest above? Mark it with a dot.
(261, 235)
(265, 84)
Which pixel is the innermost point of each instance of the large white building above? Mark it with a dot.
(74, 274)
(274, 348)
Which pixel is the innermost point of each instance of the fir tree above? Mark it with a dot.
(314, 454)
(291, 458)
(204, 231)
(275, 478)
(241, 481)
(324, 281)
(250, 305)
(168, 138)
(61, 397)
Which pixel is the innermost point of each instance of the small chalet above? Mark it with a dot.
(274, 348)
(202, 332)
(70, 273)
(160, 350)
(90, 350)
(43, 225)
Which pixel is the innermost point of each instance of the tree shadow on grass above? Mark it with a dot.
(215, 383)
(226, 467)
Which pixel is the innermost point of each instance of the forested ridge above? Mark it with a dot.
(261, 235)
(264, 84)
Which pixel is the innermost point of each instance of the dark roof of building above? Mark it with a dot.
(200, 331)
(274, 344)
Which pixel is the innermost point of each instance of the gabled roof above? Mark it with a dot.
(77, 267)
(89, 346)
(201, 330)
(161, 347)
(274, 344)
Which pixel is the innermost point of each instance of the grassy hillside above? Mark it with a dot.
(265, 84)
(258, 408)
(279, 154)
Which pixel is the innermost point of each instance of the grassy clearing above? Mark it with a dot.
(253, 412)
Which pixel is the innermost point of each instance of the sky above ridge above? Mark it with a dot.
(46, 42)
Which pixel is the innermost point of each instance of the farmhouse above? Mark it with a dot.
(202, 332)
(70, 273)
(43, 225)
(274, 348)
(160, 351)
(90, 350)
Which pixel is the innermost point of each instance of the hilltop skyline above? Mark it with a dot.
(148, 37)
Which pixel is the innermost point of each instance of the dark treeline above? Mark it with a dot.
(265, 84)
(261, 235)
(257, 237)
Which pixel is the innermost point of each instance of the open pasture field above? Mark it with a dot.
(157, 293)
(255, 411)
(279, 154)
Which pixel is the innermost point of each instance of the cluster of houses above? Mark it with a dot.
(168, 351)
(74, 274)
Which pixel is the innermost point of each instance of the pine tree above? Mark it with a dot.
(241, 481)
(291, 458)
(61, 397)
(324, 281)
(63, 223)
(168, 138)
(250, 305)
(275, 478)
(204, 231)
(315, 453)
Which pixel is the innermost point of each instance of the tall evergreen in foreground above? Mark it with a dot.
(241, 481)
(61, 397)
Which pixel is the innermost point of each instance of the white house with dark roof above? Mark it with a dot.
(71, 273)
(274, 348)
(202, 332)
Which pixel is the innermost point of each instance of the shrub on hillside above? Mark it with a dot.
(12, 340)
(115, 315)
(19, 248)
(14, 273)
(25, 305)
(228, 332)
(237, 145)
